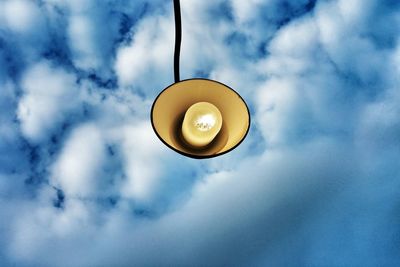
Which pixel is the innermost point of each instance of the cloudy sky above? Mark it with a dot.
(84, 181)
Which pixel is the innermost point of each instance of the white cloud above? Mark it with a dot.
(20, 16)
(49, 94)
(90, 38)
(224, 209)
(80, 29)
(148, 60)
(140, 147)
(78, 170)
(23, 25)
(244, 10)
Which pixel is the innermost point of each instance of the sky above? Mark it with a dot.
(84, 180)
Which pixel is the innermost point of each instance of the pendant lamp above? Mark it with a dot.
(198, 118)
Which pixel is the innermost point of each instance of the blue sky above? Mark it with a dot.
(84, 181)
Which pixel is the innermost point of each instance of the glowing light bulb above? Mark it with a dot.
(201, 124)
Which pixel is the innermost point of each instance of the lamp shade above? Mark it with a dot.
(173, 103)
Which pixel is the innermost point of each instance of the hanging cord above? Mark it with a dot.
(178, 38)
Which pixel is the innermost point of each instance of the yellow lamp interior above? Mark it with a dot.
(200, 118)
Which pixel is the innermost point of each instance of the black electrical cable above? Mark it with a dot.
(178, 39)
